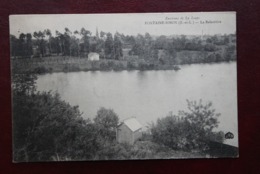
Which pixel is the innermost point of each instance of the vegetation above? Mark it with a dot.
(143, 52)
(187, 131)
(47, 128)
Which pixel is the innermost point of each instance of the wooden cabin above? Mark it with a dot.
(128, 131)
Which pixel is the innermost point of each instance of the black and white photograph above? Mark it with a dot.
(124, 86)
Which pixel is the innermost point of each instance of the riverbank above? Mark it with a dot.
(75, 64)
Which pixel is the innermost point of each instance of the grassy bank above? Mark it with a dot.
(74, 64)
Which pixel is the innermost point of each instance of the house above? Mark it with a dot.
(92, 56)
(128, 131)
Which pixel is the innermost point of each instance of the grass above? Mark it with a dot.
(144, 150)
(74, 64)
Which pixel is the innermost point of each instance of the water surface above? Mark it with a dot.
(149, 95)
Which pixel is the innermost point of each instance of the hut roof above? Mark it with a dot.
(132, 124)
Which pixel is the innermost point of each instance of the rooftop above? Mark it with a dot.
(132, 124)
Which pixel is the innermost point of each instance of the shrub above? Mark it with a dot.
(118, 66)
(104, 66)
(47, 128)
(71, 68)
(189, 130)
(210, 47)
(130, 65)
(40, 70)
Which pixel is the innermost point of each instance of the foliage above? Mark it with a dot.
(230, 53)
(41, 70)
(71, 68)
(130, 65)
(210, 47)
(118, 46)
(23, 84)
(47, 128)
(158, 50)
(106, 122)
(188, 130)
(23, 46)
(142, 150)
(109, 49)
(40, 42)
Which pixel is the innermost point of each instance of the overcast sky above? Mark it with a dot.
(128, 24)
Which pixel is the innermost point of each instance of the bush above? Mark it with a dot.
(191, 130)
(210, 47)
(47, 128)
(118, 66)
(71, 68)
(104, 66)
(130, 65)
(211, 58)
(172, 132)
(219, 57)
(41, 70)
(140, 150)
(106, 122)
(230, 53)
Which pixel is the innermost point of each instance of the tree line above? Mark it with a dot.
(47, 128)
(67, 43)
(157, 49)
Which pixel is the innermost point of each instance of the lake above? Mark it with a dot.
(148, 95)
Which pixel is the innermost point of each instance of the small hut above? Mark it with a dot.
(128, 131)
(92, 56)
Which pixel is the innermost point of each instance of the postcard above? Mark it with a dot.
(125, 86)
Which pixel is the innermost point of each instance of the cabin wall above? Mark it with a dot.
(124, 135)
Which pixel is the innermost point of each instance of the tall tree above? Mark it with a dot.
(77, 36)
(61, 41)
(118, 46)
(14, 46)
(29, 44)
(40, 42)
(86, 40)
(49, 34)
(106, 121)
(67, 39)
(109, 46)
(22, 42)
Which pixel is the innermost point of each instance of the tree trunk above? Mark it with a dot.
(50, 46)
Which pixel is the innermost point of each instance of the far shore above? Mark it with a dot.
(76, 64)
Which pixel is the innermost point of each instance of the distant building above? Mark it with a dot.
(126, 52)
(128, 131)
(92, 56)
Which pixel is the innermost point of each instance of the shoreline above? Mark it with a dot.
(60, 64)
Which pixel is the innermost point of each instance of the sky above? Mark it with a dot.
(129, 24)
